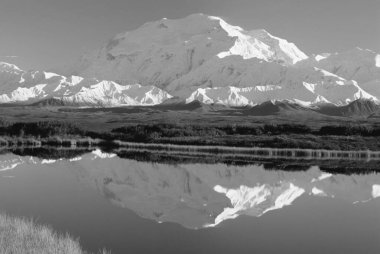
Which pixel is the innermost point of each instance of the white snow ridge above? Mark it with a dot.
(377, 61)
(28, 87)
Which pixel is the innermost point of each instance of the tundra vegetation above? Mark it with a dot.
(63, 133)
(19, 236)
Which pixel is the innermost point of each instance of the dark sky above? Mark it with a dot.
(48, 33)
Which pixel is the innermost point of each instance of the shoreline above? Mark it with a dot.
(260, 152)
(233, 151)
(161, 136)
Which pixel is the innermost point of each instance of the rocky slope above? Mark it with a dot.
(276, 108)
(363, 108)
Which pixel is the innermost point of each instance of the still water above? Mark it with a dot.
(131, 205)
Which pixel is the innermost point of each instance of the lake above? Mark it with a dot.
(149, 203)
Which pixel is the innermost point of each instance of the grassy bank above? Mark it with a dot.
(21, 236)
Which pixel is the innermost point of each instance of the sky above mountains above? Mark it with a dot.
(43, 34)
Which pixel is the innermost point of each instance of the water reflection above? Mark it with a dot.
(199, 195)
(204, 195)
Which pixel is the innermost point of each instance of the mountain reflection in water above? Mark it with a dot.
(199, 195)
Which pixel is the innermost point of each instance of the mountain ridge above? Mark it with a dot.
(201, 58)
(34, 86)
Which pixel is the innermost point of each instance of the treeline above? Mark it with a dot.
(366, 131)
(154, 132)
(148, 132)
(41, 129)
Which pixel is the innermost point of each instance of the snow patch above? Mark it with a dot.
(49, 75)
(287, 197)
(323, 176)
(376, 191)
(76, 80)
(75, 159)
(241, 199)
(377, 60)
(45, 161)
(291, 49)
(98, 153)
(318, 192)
(233, 31)
(328, 74)
(12, 166)
(251, 198)
(319, 58)
(308, 86)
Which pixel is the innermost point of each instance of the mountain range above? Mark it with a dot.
(198, 58)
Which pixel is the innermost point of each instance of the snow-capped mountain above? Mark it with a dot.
(18, 86)
(160, 52)
(201, 58)
(204, 58)
(303, 86)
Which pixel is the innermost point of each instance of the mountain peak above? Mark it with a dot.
(159, 52)
(8, 67)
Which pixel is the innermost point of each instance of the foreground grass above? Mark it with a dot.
(21, 236)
